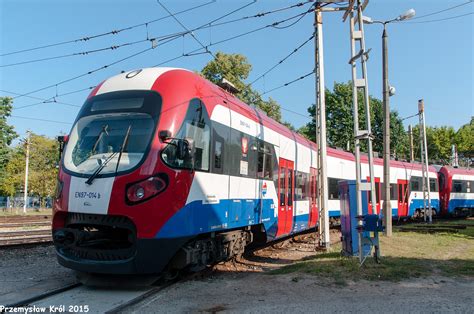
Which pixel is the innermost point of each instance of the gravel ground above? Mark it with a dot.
(263, 293)
(29, 271)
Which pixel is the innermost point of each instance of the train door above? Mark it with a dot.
(313, 209)
(378, 190)
(285, 197)
(402, 198)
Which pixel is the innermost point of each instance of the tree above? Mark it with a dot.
(340, 125)
(464, 140)
(44, 159)
(7, 135)
(236, 69)
(42, 168)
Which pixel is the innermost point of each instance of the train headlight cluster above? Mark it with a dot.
(146, 189)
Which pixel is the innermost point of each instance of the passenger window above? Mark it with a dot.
(282, 186)
(290, 188)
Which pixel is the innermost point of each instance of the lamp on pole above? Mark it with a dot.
(387, 92)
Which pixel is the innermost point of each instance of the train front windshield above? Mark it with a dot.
(113, 132)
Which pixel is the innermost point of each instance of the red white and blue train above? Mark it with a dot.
(164, 170)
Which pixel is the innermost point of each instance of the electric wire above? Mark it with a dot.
(87, 73)
(290, 82)
(150, 48)
(439, 20)
(38, 119)
(283, 60)
(442, 11)
(39, 98)
(113, 32)
(172, 35)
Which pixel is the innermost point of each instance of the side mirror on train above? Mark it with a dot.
(164, 135)
(185, 152)
(62, 141)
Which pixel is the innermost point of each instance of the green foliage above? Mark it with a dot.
(7, 133)
(42, 168)
(236, 69)
(340, 126)
(464, 139)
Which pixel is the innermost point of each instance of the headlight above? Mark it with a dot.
(146, 189)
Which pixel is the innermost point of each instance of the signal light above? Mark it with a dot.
(146, 189)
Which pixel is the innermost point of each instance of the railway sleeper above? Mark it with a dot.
(200, 253)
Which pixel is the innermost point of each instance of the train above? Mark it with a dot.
(164, 170)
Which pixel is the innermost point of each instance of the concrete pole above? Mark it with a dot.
(324, 240)
(410, 134)
(25, 196)
(387, 206)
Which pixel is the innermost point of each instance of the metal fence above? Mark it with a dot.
(33, 202)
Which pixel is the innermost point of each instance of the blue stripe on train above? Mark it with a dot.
(460, 203)
(197, 218)
(418, 203)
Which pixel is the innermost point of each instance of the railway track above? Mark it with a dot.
(21, 230)
(78, 297)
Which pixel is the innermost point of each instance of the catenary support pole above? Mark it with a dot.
(410, 134)
(27, 162)
(387, 206)
(324, 240)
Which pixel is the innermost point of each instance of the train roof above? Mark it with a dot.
(145, 79)
(453, 170)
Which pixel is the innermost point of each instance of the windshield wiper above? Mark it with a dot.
(99, 137)
(98, 170)
(124, 145)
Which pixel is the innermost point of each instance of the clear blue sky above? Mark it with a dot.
(433, 61)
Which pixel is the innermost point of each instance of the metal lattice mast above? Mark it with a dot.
(320, 119)
(424, 163)
(360, 55)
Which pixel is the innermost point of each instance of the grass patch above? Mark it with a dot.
(404, 255)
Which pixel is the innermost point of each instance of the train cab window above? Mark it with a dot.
(196, 131)
(433, 185)
(217, 155)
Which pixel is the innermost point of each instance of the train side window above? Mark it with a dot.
(433, 185)
(282, 186)
(393, 192)
(290, 188)
(333, 191)
(415, 184)
(459, 186)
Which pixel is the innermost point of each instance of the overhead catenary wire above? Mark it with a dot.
(442, 11)
(113, 32)
(38, 119)
(290, 82)
(195, 51)
(440, 20)
(172, 35)
(282, 60)
(39, 98)
(167, 39)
